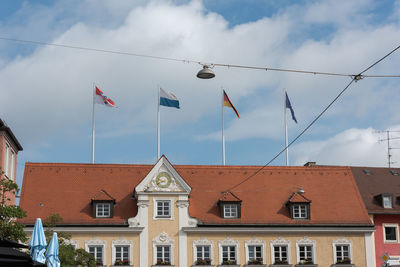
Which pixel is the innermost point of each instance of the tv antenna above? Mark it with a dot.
(389, 148)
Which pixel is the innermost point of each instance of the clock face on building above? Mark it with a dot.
(163, 180)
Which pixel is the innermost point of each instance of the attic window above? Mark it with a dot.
(299, 206)
(387, 201)
(230, 206)
(103, 210)
(300, 211)
(367, 172)
(103, 205)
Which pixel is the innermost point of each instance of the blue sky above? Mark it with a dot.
(47, 90)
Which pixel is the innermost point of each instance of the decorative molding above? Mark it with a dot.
(182, 203)
(268, 229)
(305, 241)
(203, 242)
(228, 241)
(143, 203)
(163, 239)
(138, 220)
(342, 240)
(175, 185)
(280, 241)
(254, 242)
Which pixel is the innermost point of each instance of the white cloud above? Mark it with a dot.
(48, 92)
(352, 147)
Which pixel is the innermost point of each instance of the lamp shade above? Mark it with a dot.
(205, 73)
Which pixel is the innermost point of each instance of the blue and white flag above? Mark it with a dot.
(167, 99)
(289, 106)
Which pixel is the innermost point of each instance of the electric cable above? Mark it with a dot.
(196, 62)
(354, 79)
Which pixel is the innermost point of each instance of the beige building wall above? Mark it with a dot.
(79, 239)
(170, 226)
(323, 250)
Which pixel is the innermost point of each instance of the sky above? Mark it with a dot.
(46, 91)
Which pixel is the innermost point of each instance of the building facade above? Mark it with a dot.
(9, 148)
(380, 190)
(185, 215)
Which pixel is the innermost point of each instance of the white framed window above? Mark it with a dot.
(163, 254)
(342, 251)
(203, 251)
(387, 201)
(163, 208)
(9, 162)
(96, 248)
(255, 251)
(280, 251)
(306, 251)
(228, 254)
(228, 250)
(300, 211)
(103, 210)
(231, 211)
(390, 233)
(122, 251)
(163, 250)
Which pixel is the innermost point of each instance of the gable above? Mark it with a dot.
(163, 178)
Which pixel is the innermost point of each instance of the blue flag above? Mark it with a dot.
(167, 99)
(289, 106)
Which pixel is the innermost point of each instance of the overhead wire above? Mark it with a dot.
(354, 79)
(210, 64)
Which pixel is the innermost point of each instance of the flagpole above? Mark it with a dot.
(286, 132)
(94, 93)
(223, 136)
(158, 124)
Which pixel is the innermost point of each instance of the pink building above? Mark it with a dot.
(380, 190)
(9, 148)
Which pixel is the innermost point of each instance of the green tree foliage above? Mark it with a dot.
(10, 228)
(67, 254)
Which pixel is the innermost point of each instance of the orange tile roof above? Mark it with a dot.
(102, 195)
(298, 198)
(67, 189)
(229, 197)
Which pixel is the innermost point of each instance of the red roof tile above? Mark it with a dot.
(298, 198)
(102, 195)
(375, 181)
(335, 198)
(229, 197)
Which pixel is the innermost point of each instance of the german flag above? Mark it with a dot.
(228, 103)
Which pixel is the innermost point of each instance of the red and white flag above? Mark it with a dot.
(100, 98)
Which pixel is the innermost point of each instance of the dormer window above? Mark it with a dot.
(300, 211)
(103, 205)
(231, 211)
(387, 201)
(230, 206)
(103, 210)
(299, 206)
